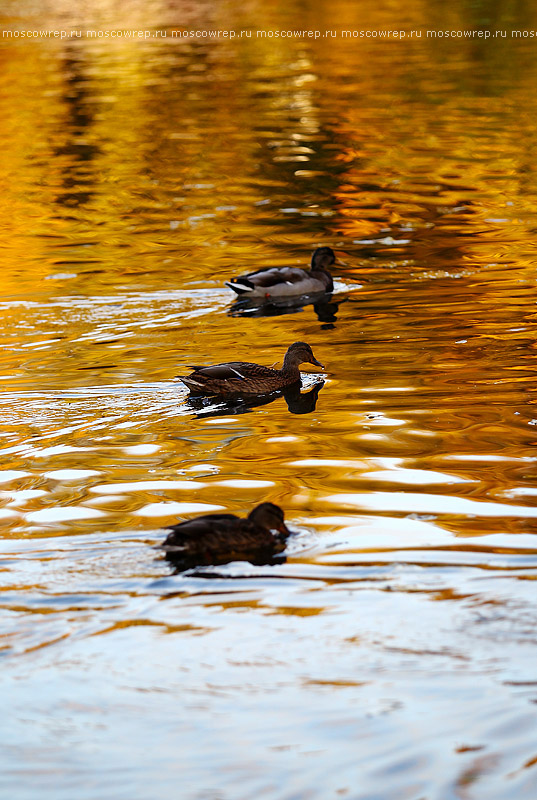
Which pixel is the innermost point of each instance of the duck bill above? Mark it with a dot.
(284, 529)
(317, 363)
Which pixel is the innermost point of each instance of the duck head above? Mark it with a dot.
(322, 258)
(270, 517)
(300, 352)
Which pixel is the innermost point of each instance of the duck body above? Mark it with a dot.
(288, 281)
(220, 538)
(244, 379)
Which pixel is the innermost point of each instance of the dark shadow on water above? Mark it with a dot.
(297, 402)
(323, 305)
(199, 570)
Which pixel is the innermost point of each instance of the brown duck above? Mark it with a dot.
(288, 281)
(243, 379)
(220, 538)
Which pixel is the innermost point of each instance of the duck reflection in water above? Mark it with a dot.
(298, 402)
(325, 308)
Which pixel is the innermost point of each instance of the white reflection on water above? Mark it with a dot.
(165, 509)
(112, 488)
(413, 476)
(52, 515)
(411, 502)
(70, 474)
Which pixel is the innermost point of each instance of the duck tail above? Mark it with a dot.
(240, 288)
(194, 386)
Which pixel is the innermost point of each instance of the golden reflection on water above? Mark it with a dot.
(138, 177)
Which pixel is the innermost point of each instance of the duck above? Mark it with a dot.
(288, 281)
(220, 538)
(238, 379)
(298, 402)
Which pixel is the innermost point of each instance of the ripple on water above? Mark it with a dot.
(391, 653)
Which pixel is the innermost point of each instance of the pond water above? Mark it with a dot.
(392, 655)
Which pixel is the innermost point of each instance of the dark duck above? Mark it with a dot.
(244, 379)
(288, 281)
(220, 538)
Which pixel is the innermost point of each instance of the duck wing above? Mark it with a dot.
(270, 277)
(222, 372)
(267, 279)
(233, 371)
(193, 531)
(236, 379)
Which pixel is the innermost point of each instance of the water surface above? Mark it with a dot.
(392, 656)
